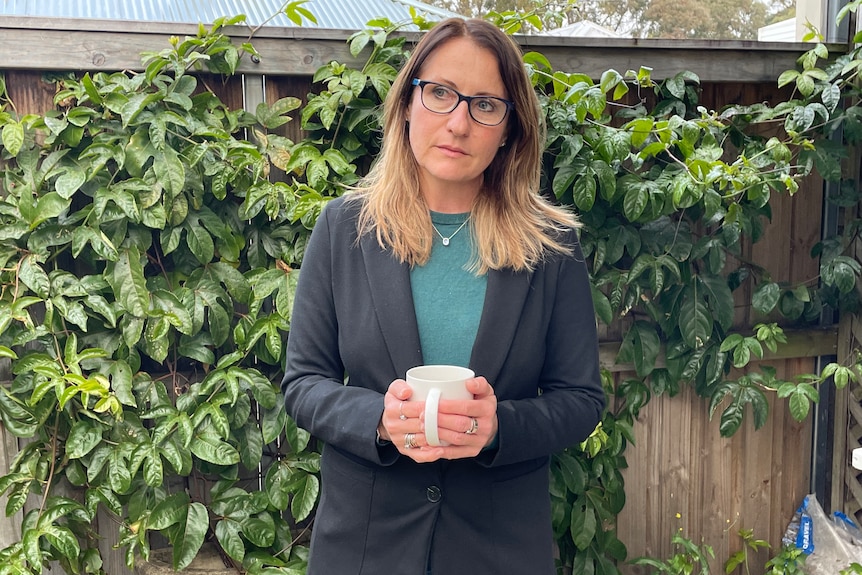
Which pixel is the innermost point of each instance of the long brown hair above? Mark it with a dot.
(513, 226)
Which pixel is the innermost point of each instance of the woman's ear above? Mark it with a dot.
(505, 136)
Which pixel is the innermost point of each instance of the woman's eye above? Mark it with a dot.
(442, 93)
(486, 105)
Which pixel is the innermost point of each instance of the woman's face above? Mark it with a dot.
(453, 150)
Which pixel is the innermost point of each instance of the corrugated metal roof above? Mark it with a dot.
(583, 29)
(337, 14)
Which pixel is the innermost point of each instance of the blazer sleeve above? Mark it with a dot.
(314, 386)
(570, 399)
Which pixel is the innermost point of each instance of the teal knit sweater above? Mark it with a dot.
(447, 296)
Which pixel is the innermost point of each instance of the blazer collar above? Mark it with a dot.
(393, 302)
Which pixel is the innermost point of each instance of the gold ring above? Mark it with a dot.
(410, 441)
(401, 415)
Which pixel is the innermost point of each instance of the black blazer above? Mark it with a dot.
(383, 514)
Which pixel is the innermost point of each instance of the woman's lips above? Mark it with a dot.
(452, 150)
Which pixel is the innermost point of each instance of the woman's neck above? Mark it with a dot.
(455, 200)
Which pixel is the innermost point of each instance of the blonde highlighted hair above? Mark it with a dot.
(513, 225)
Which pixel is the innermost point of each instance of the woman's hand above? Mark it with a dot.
(468, 425)
(402, 426)
(403, 422)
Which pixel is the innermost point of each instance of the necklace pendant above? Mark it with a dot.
(445, 240)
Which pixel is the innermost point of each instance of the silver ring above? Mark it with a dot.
(474, 426)
(410, 441)
(401, 415)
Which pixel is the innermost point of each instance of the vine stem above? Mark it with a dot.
(254, 30)
(53, 462)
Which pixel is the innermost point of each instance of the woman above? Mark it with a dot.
(445, 255)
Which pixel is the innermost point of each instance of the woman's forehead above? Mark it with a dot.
(464, 65)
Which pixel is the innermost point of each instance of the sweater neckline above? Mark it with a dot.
(442, 219)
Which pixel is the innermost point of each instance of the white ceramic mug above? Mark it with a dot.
(432, 382)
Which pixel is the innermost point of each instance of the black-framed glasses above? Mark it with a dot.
(440, 99)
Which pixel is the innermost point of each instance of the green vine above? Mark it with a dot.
(146, 287)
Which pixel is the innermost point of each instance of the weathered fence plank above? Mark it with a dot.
(681, 465)
(113, 45)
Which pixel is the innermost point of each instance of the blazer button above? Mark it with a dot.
(433, 494)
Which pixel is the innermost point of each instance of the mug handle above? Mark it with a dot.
(432, 403)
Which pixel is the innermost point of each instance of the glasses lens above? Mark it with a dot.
(442, 100)
(489, 111)
(439, 98)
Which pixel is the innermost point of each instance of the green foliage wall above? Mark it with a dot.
(146, 292)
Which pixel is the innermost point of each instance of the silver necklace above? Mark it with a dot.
(452, 235)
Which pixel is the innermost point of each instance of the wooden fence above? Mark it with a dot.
(681, 473)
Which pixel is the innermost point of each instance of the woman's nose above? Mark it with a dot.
(459, 118)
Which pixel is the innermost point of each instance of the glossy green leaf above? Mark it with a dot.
(841, 271)
(570, 471)
(153, 467)
(720, 299)
(69, 182)
(200, 243)
(260, 529)
(34, 277)
(305, 489)
(250, 443)
(210, 447)
(63, 540)
(228, 534)
(179, 459)
(278, 486)
(640, 346)
(134, 105)
(695, 320)
(272, 423)
(760, 406)
(129, 284)
(564, 177)
(602, 305)
(12, 137)
(197, 348)
(731, 419)
(843, 375)
(584, 192)
(169, 170)
(169, 511)
(83, 437)
(296, 437)
(30, 544)
(635, 202)
(583, 527)
(173, 309)
(119, 477)
(799, 406)
(191, 536)
(120, 374)
(765, 297)
(47, 207)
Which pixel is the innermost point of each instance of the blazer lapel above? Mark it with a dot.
(504, 300)
(393, 304)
